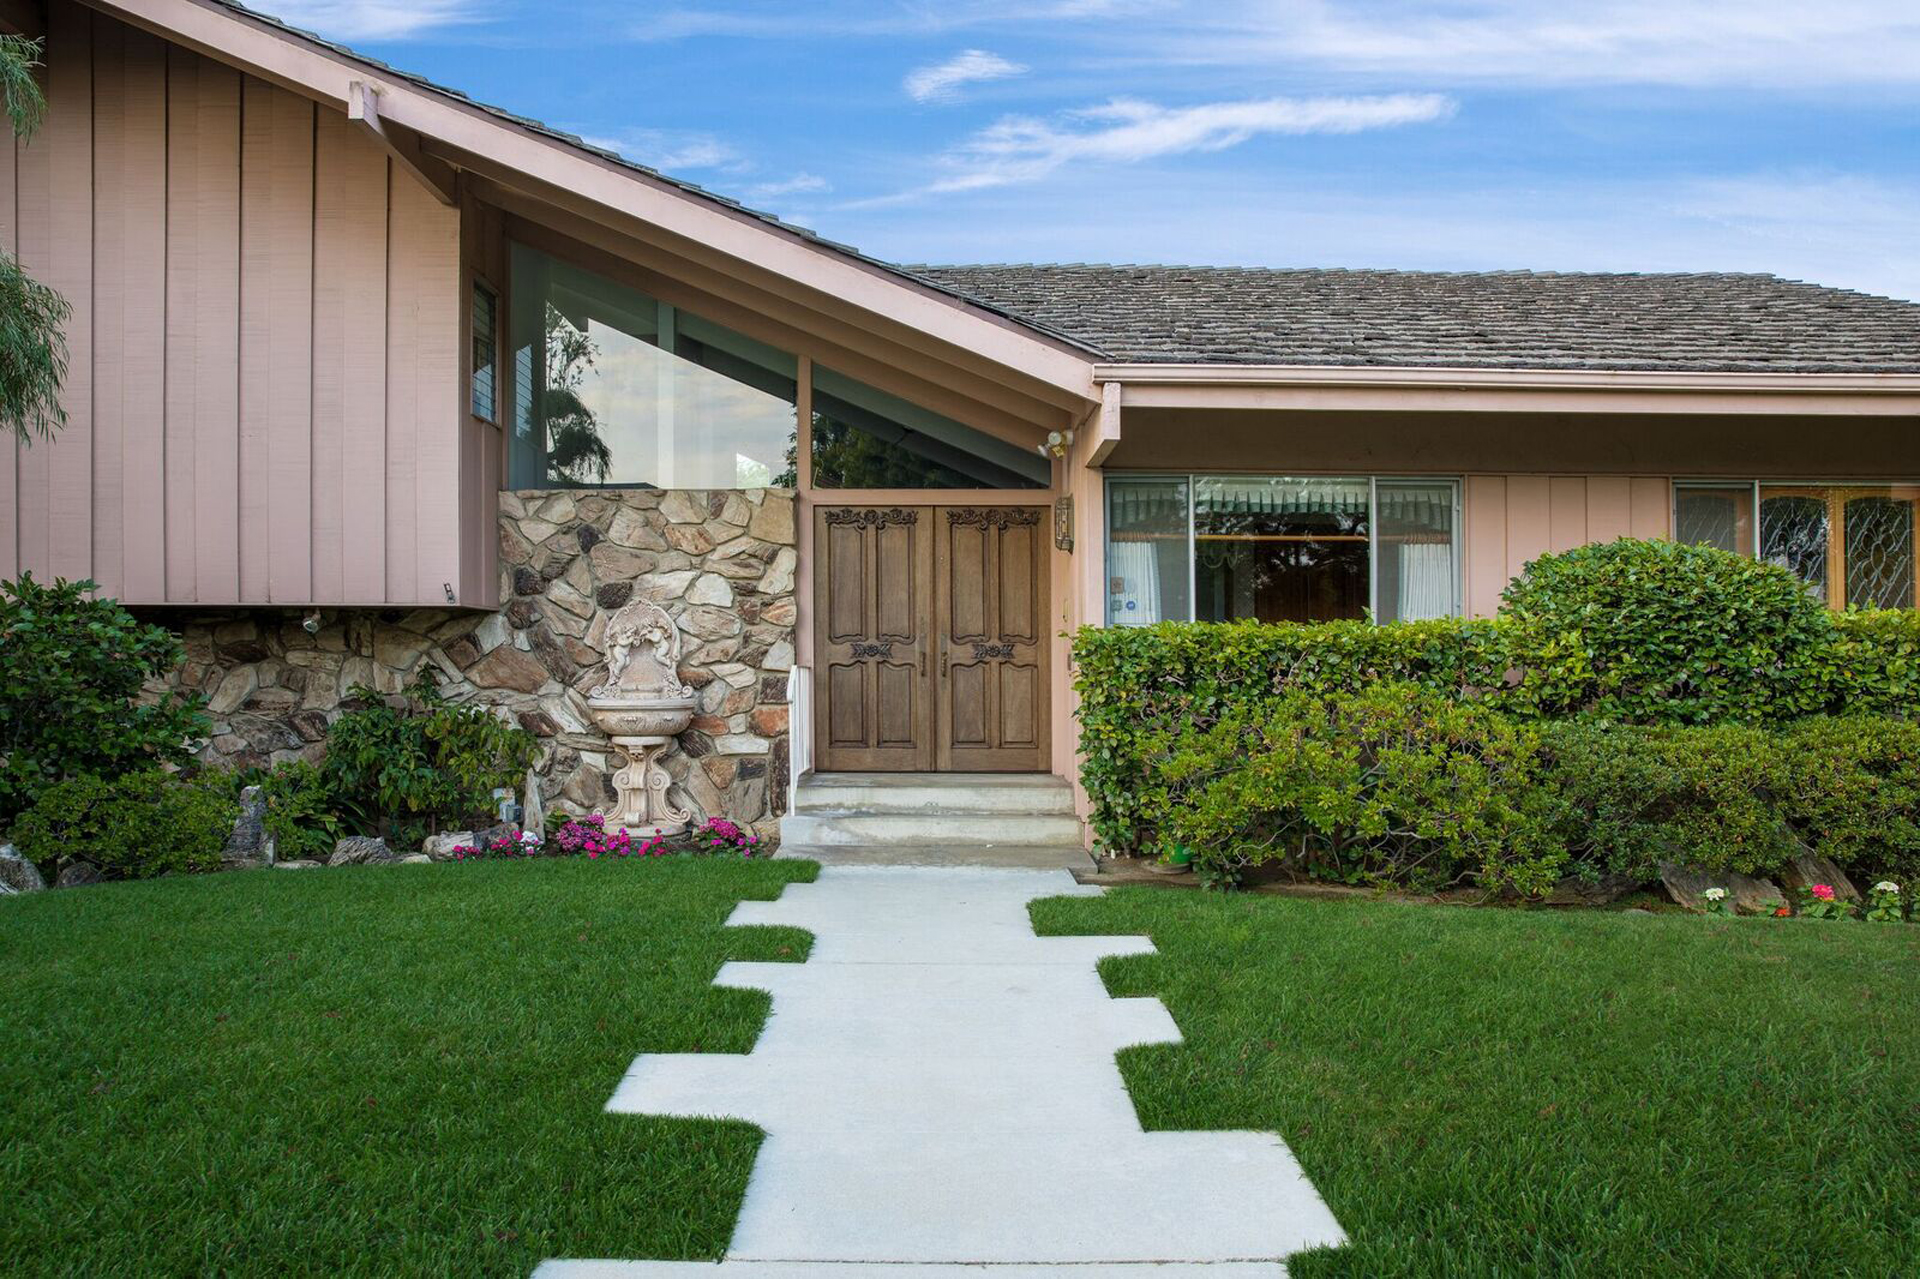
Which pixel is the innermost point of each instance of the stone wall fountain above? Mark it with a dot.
(642, 707)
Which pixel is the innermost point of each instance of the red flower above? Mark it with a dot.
(1782, 913)
(1823, 891)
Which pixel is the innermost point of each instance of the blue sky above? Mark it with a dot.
(1753, 135)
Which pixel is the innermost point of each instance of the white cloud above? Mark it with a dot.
(374, 19)
(1127, 131)
(671, 150)
(1678, 42)
(798, 184)
(941, 81)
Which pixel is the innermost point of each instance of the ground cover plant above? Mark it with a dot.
(1529, 1092)
(371, 1071)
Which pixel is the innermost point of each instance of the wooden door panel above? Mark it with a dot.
(873, 594)
(989, 602)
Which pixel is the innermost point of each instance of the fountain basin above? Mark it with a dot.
(641, 717)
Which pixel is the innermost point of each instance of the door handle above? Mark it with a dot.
(943, 657)
(923, 659)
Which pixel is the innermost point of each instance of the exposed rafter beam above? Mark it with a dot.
(431, 172)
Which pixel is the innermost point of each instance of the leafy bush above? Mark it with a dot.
(1631, 798)
(1394, 784)
(1653, 632)
(302, 814)
(1855, 792)
(408, 766)
(136, 826)
(1737, 797)
(1873, 665)
(71, 673)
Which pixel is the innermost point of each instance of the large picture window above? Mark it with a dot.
(1854, 545)
(865, 438)
(613, 387)
(1218, 548)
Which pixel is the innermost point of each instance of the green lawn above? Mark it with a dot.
(1491, 1092)
(370, 1071)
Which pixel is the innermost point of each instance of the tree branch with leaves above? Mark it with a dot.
(33, 344)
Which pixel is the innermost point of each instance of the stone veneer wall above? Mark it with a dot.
(722, 563)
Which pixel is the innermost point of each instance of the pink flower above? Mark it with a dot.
(1823, 891)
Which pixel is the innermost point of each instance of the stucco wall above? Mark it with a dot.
(722, 563)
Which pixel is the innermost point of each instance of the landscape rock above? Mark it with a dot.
(361, 850)
(249, 843)
(1687, 886)
(1809, 869)
(440, 847)
(77, 874)
(298, 863)
(17, 874)
(414, 859)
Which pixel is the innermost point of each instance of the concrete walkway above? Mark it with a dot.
(939, 1092)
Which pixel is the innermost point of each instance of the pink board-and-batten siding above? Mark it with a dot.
(1511, 519)
(264, 393)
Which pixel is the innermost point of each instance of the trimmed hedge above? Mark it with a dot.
(1395, 784)
(1141, 687)
(1632, 632)
(1399, 785)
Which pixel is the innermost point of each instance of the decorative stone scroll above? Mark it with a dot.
(992, 516)
(872, 517)
(643, 654)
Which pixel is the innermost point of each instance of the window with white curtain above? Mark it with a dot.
(1280, 548)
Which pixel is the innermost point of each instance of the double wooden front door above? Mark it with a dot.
(930, 650)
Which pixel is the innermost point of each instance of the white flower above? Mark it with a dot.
(1887, 886)
(1714, 894)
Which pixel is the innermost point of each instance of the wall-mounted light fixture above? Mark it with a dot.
(1058, 442)
(311, 622)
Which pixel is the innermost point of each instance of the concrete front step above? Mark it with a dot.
(836, 828)
(931, 811)
(1004, 856)
(1025, 794)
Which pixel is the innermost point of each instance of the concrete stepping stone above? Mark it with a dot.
(939, 1092)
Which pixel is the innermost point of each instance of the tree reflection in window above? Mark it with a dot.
(1793, 534)
(575, 452)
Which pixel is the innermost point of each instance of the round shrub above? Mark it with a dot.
(1656, 632)
(132, 827)
(71, 673)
